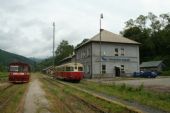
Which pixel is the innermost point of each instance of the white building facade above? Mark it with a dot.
(119, 56)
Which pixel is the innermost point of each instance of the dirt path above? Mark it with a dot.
(4, 84)
(35, 101)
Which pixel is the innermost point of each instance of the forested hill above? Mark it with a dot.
(7, 57)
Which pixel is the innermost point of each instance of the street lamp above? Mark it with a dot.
(101, 17)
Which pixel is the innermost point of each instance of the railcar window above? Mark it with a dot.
(80, 68)
(63, 69)
(69, 68)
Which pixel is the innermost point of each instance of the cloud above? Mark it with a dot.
(26, 26)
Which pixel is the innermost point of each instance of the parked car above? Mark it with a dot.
(137, 74)
(145, 74)
(149, 74)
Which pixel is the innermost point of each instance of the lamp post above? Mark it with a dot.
(53, 44)
(101, 17)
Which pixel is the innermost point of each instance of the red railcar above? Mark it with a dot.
(69, 71)
(19, 72)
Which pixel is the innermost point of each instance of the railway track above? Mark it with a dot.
(6, 87)
(5, 100)
(88, 104)
(138, 108)
(92, 106)
(10, 97)
(132, 106)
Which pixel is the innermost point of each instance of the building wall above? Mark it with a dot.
(130, 60)
(89, 56)
(83, 56)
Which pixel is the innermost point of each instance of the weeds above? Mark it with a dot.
(139, 94)
(140, 88)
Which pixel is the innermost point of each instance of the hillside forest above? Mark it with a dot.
(153, 32)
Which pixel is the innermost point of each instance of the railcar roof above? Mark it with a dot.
(19, 63)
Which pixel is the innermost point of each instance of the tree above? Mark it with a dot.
(153, 32)
(155, 23)
(141, 21)
(63, 50)
(84, 40)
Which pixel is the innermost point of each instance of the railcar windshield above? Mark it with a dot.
(18, 69)
(14, 68)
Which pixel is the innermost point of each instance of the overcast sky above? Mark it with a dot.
(26, 25)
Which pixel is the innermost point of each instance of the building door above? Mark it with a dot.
(117, 71)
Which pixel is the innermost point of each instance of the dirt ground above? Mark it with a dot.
(4, 84)
(156, 84)
(35, 101)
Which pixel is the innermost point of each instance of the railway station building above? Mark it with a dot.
(119, 55)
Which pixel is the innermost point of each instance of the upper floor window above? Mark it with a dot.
(116, 51)
(122, 52)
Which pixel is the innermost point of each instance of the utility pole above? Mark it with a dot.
(101, 17)
(53, 44)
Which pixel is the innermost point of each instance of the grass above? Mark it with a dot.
(106, 106)
(64, 94)
(14, 95)
(139, 94)
(3, 76)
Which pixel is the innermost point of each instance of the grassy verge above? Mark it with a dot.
(154, 99)
(13, 95)
(64, 94)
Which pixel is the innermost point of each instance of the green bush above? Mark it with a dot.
(165, 73)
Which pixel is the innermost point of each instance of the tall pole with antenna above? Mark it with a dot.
(53, 44)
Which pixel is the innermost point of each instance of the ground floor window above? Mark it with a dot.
(87, 69)
(122, 68)
(103, 69)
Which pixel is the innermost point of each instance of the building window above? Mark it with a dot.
(103, 69)
(104, 53)
(122, 68)
(122, 52)
(87, 69)
(116, 51)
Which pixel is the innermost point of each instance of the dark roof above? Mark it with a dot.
(107, 36)
(67, 58)
(151, 63)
